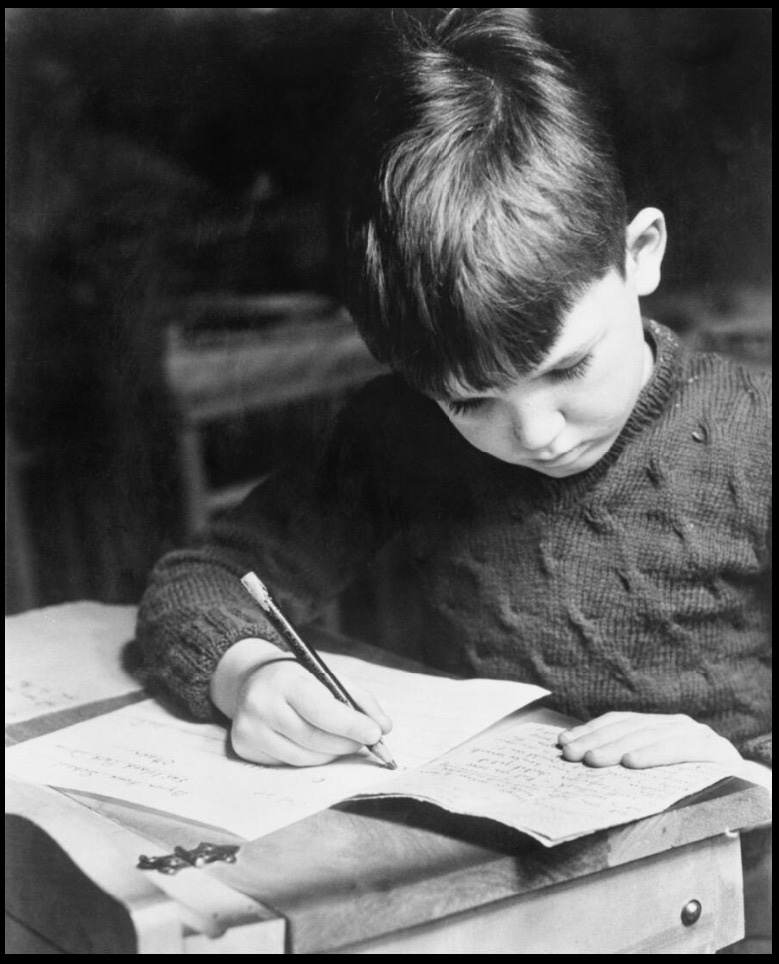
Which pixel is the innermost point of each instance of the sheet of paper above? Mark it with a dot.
(76, 648)
(519, 777)
(144, 755)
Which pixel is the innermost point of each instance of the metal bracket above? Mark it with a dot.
(204, 853)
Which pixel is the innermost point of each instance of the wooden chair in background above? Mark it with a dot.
(301, 348)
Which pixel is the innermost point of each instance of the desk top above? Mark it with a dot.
(362, 869)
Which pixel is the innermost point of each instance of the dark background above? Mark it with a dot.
(160, 155)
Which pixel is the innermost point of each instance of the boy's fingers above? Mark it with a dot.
(600, 723)
(296, 728)
(668, 740)
(607, 735)
(670, 749)
(315, 704)
(291, 753)
(370, 706)
(610, 752)
(263, 745)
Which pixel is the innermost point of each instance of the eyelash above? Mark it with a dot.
(465, 406)
(575, 371)
(558, 375)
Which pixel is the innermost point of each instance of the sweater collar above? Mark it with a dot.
(662, 382)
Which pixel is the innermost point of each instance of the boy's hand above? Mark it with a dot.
(284, 715)
(640, 740)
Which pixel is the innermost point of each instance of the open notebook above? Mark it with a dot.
(459, 744)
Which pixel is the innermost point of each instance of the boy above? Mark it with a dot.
(586, 505)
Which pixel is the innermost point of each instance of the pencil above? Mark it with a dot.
(308, 657)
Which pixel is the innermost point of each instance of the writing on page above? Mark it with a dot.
(47, 650)
(520, 778)
(144, 755)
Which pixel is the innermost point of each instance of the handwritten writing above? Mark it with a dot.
(46, 651)
(521, 779)
(144, 755)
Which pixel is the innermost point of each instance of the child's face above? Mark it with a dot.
(565, 415)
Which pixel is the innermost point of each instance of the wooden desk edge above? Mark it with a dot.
(363, 864)
(338, 910)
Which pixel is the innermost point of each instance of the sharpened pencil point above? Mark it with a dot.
(384, 755)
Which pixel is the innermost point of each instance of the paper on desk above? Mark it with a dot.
(144, 755)
(56, 644)
(518, 777)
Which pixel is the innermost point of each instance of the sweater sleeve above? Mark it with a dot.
(306, 531)
(759, 749)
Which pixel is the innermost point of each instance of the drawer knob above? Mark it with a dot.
(691, 912)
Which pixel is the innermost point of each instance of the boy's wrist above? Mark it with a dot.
(244, 657)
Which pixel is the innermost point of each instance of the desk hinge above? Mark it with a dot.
(204, 853)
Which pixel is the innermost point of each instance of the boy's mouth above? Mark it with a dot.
(562, 460)
(577, 459)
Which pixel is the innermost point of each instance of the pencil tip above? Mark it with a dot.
(383, 754)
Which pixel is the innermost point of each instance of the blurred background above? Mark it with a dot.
(173, 328)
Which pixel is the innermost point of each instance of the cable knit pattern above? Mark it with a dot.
(642, 584)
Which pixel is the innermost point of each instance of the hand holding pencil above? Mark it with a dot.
(283, 713)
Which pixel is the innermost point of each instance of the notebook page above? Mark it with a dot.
(518, 776)
(47, 650)
(144, 755)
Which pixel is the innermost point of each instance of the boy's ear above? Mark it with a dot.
(646, 238)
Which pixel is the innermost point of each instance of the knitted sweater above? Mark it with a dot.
(642, 584)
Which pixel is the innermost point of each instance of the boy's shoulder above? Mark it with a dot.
(728, 406)
(728, 388)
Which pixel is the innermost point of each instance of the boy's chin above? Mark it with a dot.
(561, 472)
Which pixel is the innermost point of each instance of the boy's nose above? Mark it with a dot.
(536, 430)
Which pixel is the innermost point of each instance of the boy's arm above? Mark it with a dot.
(306, 531)
(655, 739)
(759, 750)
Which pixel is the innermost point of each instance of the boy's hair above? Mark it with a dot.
(482, 200)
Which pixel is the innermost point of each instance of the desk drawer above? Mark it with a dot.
(632, 909)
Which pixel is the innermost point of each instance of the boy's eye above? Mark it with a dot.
(465, 407)
(574, 371)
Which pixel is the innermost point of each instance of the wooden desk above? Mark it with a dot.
(378, 877)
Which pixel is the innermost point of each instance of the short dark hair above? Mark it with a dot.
(483, 199)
